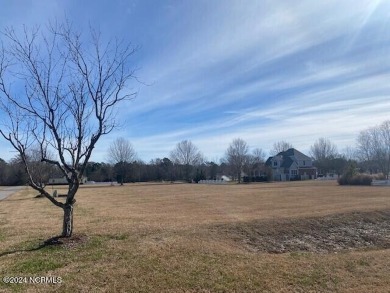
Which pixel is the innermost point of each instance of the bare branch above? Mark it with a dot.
(60, 95)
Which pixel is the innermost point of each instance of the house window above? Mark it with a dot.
(294, 172)
(275, 163)
(304, 163)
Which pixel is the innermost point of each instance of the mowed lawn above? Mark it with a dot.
(203, 238)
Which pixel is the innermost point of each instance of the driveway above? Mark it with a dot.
(6, 191)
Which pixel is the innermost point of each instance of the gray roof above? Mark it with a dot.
(294, 153)
(288, 157)
(287, 162)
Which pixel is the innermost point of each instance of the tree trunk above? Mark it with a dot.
(67, 228)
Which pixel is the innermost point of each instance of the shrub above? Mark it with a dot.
(379, 177)
(346, 179)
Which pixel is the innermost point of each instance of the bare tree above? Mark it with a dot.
(256, 162)
(349, 153)
(121, 152)
(280, 146)
(385, 138)
(258, 155)
(188, 155)
(237, 156)
(40, 171)
(373, 145)
(326, 157)
(59, 89)
(323, 149)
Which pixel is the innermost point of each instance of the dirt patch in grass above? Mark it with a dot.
(68, 242)
(340, 232)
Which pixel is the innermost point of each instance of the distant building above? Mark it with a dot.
(291, 165)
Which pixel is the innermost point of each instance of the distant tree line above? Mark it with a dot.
(12, 173)
(186, 162)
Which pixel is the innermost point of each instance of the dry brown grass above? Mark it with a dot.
(197, 238)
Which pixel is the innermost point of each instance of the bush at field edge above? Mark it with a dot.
(355, 180)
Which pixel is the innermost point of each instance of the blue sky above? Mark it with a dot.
(260, 70)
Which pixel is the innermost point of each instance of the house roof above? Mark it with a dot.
(268, 162)
(287, 162)
(294, 153)
(288, 157)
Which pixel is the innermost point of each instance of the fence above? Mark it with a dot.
(380, 183)
(212, 182)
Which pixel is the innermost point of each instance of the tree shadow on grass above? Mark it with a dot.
(16, 199)
(57, 241)
(22, 250)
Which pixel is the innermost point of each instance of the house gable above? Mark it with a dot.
(292, 164)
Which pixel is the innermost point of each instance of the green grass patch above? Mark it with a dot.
(119, 237)
(2, 236)
(317, 277)
(357, 265)
(37, 265)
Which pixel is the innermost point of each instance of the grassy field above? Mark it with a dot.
(277, 237)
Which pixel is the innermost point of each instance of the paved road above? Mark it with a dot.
(6, 191)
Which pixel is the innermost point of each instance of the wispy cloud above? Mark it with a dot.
(261, 70)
